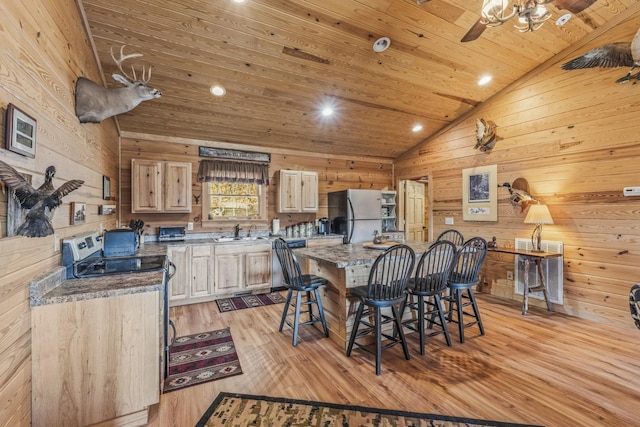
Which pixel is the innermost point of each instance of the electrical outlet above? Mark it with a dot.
(448, 221)
(509, 275)
(190, 226)
(56, 242)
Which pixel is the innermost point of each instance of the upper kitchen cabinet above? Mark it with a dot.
(160, 187)
(298, 191)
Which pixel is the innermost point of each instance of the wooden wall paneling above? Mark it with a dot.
(44, 49)
(573, 137)
(334, 173)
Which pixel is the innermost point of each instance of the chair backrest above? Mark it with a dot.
(291, 273)
(390, 274)
(453, 236)
(634, 303)
(434, 267)
(468, 261)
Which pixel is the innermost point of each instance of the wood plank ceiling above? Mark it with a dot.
(282, 60)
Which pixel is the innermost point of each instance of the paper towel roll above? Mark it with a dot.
(275, 227)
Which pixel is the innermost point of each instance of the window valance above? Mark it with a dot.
(216, 171)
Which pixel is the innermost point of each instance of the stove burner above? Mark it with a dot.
(92, 267)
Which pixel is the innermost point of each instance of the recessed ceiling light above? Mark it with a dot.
(381, 44)
(218, 90)
(239, 1)
(484, 80)
(563, 19)
(327, 111)
(417, 128)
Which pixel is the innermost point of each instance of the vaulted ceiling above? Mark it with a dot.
(281, 61)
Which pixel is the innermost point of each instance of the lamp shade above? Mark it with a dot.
(538, 214)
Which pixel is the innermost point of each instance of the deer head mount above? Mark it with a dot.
(95, 103)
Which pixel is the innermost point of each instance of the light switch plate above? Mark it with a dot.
(56, 242)
(190, 226)
(448, 221)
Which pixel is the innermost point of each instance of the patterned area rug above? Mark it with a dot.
(249, 301)
(198, 358)
(230, 409)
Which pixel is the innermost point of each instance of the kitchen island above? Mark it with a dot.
(345, 267)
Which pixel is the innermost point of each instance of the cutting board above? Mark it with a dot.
(382, 246)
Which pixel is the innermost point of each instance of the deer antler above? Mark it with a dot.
(123, 58)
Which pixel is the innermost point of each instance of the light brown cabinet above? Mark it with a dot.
(242, 268)
(208, 272)
(297, 191)
(194, 278)
(96, 360)
(160, 187)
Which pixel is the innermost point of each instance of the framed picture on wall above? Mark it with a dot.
(20, 133)
(78, 213)
(106, 188)
(480, 193)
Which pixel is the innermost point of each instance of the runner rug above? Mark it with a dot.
(249, 301)
(230, 409)
(198, 358)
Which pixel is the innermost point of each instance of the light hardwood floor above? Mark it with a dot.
(545, 368)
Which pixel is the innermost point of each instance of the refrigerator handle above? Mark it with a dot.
(351, 220)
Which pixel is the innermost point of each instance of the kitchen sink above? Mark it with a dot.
(239, 239)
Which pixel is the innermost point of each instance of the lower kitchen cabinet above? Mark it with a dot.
(242, 268)
(194, 277)
(96, 361)
(208, 272)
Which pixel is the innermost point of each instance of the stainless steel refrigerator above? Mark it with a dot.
(356, 214)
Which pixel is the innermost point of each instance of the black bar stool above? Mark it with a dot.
(387, 285)
(464, 275)
(430, 282)
(302, 291)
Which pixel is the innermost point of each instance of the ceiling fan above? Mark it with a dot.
(531, 14)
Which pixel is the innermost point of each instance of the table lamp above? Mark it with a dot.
(538, 214)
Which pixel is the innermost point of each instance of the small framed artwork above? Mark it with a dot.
(78, 213)
(20, 132)
(106, 209)
(480, 193)
(106, 188)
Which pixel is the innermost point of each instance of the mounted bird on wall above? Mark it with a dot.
(485, 134)
(95, 103)
(519, 197)
(40, 202)
(612, 55)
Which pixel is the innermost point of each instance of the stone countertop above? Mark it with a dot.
(352, 254)
(54, 288)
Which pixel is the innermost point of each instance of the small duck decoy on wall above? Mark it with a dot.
(612, 55)
(519, 197)
(40, 202)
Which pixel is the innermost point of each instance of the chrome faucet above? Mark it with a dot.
(250, 227)
(237, 230)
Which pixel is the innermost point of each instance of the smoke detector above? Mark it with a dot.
(381, 44)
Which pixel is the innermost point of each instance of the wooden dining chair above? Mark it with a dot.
(386, 288)
(302, 292)
(464, 275)
(453, 236)
(425, 291)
